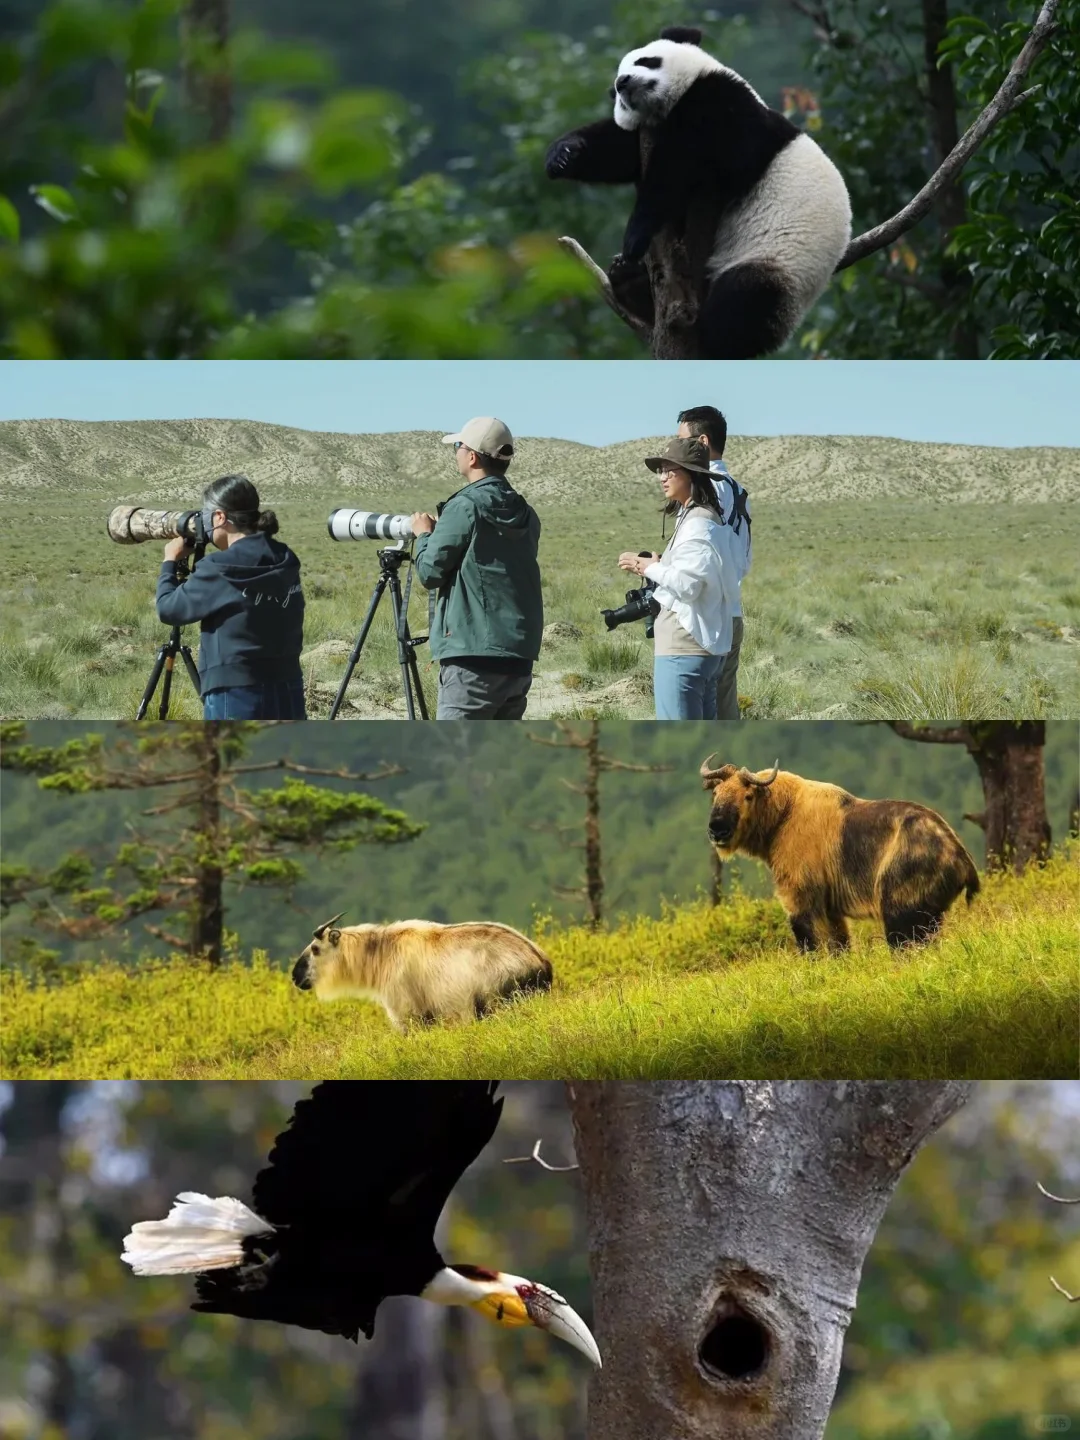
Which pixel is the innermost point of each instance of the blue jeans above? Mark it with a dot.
(272, 701)
(684, 686)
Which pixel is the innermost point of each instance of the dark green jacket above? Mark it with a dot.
(481, 559)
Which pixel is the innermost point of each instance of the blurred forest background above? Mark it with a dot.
(368, 182)
(958, 1334)
(498, 823)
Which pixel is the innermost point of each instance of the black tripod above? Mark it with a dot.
(165, 660)
(390, 563)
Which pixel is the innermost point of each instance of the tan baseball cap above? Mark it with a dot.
(485, 435)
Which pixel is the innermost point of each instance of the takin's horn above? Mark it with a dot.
(746, 775)
(318, 934)
(707, 772)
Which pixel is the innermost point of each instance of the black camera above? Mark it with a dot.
(640, 605)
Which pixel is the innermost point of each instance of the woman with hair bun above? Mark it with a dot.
(246, 595)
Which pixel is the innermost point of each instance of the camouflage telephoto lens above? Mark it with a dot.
(133, 524)
(366, 525)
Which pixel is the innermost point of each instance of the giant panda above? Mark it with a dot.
(772, 206)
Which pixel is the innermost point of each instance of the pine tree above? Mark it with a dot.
(206, 832)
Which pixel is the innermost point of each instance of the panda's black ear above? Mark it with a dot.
(681, 34)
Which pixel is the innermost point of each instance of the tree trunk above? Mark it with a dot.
(204, 28)
(950, 205)
(32, 1172)
(1009, 758)
(729, 1223)
(672, 264)
(208, 917)
(594, 873)
(716, 890)
(399, 1391)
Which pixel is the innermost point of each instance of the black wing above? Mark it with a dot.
(382, 1154)
(354, 1187)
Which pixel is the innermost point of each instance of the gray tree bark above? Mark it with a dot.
(728, 1224)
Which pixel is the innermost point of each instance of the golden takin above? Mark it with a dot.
(835, 857)
(420, 971)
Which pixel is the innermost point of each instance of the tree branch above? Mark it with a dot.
(1059, 1199)
(582, 256)
(954, 735)
(525, 1159)
(339, 774)
(1008, 97)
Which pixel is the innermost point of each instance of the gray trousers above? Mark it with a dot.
(727, 682)
(466, 694)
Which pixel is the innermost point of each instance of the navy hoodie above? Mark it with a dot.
(251, 608)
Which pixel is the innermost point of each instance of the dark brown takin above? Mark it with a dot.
(835, 857)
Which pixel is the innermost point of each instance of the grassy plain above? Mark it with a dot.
(889, 579)
(701, 992)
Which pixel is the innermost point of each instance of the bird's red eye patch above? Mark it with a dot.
(475, 1272)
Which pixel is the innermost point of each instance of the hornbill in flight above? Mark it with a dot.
(344, 1214)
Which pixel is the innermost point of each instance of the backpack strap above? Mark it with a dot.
(738, 509)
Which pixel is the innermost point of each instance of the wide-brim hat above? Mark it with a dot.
(485, 435)
(689, 454)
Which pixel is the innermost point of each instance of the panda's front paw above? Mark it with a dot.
(562, 157)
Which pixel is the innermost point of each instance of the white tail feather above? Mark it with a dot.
(197, 1234)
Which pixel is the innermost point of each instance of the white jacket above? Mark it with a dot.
(697, 578)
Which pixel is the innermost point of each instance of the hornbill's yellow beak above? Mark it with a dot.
(515, 1301)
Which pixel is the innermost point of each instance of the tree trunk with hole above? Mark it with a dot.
(728, 1225)
(208, 917)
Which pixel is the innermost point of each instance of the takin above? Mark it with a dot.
(834, 856)
(418, 970)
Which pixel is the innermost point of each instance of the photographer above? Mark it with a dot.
(696, 587)
(707, 424)
(480, 556)
(250, 606)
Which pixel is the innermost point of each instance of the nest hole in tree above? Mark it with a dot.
(736, 1346)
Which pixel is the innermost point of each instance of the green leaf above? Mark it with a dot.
(55, 201)
(9, 220)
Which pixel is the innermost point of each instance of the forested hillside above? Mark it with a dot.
(493, 803)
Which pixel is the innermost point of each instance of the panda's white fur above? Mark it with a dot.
(657, 91)
(797, 217)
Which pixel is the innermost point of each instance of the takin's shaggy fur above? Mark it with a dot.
(834, 856)
(418, 970)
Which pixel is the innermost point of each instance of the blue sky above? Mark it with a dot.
(597, 402)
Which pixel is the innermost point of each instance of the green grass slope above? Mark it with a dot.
(702, 992)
